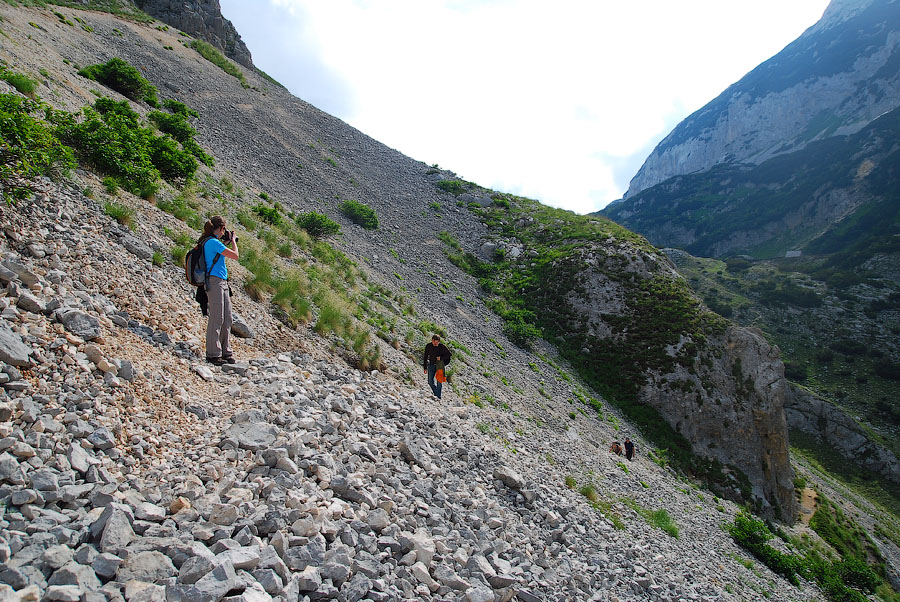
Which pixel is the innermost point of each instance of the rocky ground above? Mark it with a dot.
(133, 470)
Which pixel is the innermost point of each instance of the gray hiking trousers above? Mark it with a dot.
(218, 329)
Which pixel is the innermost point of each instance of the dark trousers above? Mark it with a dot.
(435, 386)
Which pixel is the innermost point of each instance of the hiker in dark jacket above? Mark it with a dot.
(629, 449)
(436, 356)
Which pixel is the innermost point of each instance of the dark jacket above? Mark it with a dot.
(433, 354)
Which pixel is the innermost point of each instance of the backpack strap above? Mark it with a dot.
(209, 269)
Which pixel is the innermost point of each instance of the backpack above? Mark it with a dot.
(195, 264)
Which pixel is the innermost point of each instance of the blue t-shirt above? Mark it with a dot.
(210, 248)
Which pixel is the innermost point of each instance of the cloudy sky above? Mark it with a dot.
(557, 101)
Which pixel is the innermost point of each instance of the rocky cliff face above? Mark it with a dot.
(723, 389)
(202, 19)
(836, 78)
(810, 414)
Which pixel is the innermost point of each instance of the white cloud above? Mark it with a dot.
(552, 101)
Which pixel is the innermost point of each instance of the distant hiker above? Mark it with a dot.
(615, 448)
(435, 358)
(629, 449)
(218, 329)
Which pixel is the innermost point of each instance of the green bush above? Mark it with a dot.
(112, 144)
(112, 139)
(28, 148)
(452, 186)
(270, 215)
(752, 534)
(317, 224)
(174, 124)
(124, 78)
(172, 162)
(179, 108)
(361, 214)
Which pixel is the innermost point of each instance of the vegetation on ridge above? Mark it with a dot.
(526, 291)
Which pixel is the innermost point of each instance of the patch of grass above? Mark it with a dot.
(121, 213)
(19, 81)
(657, 518)
(211, 54)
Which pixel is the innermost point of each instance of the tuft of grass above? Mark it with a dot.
(121, 213)
(158, 258)
(19, 81)
(658, 518)
(570, 482)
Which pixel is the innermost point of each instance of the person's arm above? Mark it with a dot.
(425, 359)
(231, 253)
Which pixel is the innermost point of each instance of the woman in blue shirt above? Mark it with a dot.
(218, 329)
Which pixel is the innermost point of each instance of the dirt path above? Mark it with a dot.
(808, 504)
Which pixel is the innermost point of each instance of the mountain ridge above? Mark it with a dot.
(834, 79)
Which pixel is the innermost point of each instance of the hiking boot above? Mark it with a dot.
(229, 359)
(216, 361)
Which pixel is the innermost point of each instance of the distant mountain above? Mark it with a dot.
(833, 80)
(835, 197)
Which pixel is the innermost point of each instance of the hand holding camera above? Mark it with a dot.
(228, 237)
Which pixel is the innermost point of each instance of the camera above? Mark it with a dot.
(228, 237)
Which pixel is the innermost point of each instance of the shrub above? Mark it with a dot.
(112, 144)
(752, 534)
(172, 162)
(269, 215)
(317, 225)
(158, 259)
(794, 371)
(452, 186)
(28, 147)
(124, 78)
(885, 368)
(360, 214)
(179, 108)
(174, 124)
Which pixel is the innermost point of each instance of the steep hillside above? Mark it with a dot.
(306, 160)
(834, 79)
(295, 475)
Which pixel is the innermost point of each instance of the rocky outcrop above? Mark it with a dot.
(721, 388)
(732, 409)
(836, 78)
(202, 19)
(815, 416)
